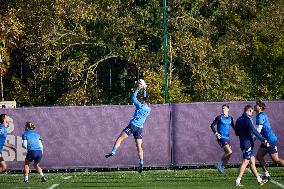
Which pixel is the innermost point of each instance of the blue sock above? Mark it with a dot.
(113, 150)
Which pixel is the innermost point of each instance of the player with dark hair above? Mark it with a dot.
(135, 125)
(263, 126)
(222, 134)
(4, 124)
(246, 130)
(32, 142)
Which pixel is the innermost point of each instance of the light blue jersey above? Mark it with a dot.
(3, 136)
(141, 111)
(266, 131)
(33, 140)
(223, 125)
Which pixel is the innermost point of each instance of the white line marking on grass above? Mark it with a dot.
(248, 169)
(53, 186)
(66, 178)
(273, 181)
(277, 183)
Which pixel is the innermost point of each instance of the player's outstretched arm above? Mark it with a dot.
(40, 145)
(10, 146)
(25, 144)
(134, 95)
(234, 126)
(236, 129)
(255, 132)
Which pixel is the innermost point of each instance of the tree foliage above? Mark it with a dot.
(82, 52)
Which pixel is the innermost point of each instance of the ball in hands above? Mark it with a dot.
(143, 83)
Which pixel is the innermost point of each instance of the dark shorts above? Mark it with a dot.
(247, 153)
(223, 142)
(272, 149)
(34, 155)
(136, 131)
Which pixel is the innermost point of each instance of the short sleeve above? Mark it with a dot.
(24, 137)
(260, 119)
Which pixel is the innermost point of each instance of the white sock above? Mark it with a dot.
(266, 173)
(26, 177)
(41, 174)
(238, 180)
(258, 179)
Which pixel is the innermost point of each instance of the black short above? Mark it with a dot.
(34, 155)
(272, 149)
(132, 129)
(1, 159)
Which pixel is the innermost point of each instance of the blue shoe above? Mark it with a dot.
(140, 168)
(109, 155)
(220, 167)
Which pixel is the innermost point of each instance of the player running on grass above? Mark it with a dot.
(32, 142)
(245, 129)
(4, 123)
(136, 124)
(263, 126)
(223, 122)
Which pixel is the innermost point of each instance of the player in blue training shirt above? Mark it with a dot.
(4, 123)
(135, 125)
(32, 142)
(245, 129)
(263, 126)
(224, 122)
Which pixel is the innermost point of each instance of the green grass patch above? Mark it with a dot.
(163, 179)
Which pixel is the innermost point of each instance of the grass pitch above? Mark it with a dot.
(163, 179)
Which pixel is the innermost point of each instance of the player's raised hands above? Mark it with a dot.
(139, 85)
(143, 83)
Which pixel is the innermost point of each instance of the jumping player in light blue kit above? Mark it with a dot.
(32, 142)
(4, 123)
(224, 122)
(135, 125)
(263, 126)
(245, 129)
